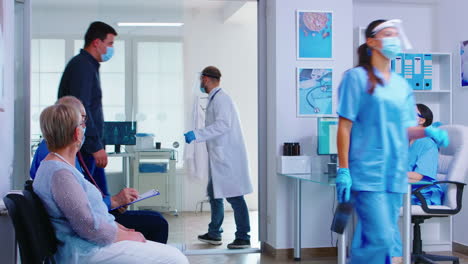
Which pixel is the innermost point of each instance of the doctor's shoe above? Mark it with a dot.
(210, 240)
(239, 244)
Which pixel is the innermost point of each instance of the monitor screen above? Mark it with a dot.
(327, 128)
(120, 133)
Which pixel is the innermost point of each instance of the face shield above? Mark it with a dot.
(197, 83)
(395, 23)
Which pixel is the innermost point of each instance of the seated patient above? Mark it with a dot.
(151, 224)
(423, 157)
(423, 161)
(82, 223)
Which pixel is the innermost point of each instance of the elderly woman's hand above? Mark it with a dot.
(129, 235)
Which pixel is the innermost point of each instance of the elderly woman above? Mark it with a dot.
(87, 231)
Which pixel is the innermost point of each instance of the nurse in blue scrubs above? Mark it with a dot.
(376, 122)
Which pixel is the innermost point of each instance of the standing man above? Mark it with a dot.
(228, 168)
(81, 79)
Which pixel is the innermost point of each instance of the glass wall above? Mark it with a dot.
(151, 80)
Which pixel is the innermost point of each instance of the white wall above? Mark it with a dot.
(7, 248)
(232, 47)
(417, 19)
(450, 22)
(285, 126)
(6, 118)
(208, 40)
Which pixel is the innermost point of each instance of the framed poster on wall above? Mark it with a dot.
(464, 63)
(314, 92)
(314, 35)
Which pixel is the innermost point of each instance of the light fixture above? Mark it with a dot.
(148, 24)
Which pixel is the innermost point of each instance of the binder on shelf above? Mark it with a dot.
(418, 76)
(398, 64)
(408, 68)
(427, 71)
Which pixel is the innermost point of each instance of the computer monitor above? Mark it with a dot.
(327, 128)
(119, 133)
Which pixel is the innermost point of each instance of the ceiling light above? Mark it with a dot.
(148, 24)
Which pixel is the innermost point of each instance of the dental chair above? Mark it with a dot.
(451, 175)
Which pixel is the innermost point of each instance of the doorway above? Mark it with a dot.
(151, 81)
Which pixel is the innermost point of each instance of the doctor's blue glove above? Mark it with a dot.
(189, 137)
(438, 135)
(343, 185)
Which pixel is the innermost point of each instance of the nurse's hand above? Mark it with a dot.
(343, 185)
(189, 137)
(438, 135)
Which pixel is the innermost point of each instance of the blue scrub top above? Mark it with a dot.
(378, 152)
(423, 159)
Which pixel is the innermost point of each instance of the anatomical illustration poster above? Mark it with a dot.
(314, 35)
(314, 92)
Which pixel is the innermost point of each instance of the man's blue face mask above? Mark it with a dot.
(108, 55)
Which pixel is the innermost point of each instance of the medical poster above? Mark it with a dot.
(314, 34)
(464, 63)
(314, 92)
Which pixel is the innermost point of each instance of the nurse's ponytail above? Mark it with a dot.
(365, 55)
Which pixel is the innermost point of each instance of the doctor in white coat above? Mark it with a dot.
(228, 167)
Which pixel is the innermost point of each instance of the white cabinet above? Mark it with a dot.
(156, 169)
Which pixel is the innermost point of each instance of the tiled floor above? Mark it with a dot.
(262, 259)
(185, 228)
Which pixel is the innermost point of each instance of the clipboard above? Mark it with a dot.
(141, 197)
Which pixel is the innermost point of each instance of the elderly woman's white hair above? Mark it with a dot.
(58, 123)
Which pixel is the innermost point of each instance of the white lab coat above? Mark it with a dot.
(195, 154)
(229, 169)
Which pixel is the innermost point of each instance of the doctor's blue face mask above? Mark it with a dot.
(391, 46)
(108, 55)
(202, 86)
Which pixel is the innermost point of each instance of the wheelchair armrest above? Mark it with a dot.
(428, 210)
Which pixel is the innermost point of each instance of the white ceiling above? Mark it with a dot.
(160, 4)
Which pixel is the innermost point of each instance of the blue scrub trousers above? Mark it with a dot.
(377, 236)
(241, 215)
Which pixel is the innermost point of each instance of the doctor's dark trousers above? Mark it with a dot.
(241, 215)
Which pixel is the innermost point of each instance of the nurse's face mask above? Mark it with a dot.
(390, 42)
